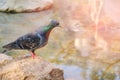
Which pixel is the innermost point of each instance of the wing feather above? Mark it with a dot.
(29, 41)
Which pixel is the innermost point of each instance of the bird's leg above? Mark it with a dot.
(33, 55)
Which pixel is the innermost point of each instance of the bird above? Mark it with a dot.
(32, 41)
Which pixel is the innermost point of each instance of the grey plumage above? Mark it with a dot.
(32, 41)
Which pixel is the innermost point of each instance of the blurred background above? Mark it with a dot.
(86, 47)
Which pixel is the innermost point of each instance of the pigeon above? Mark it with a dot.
(32, 41)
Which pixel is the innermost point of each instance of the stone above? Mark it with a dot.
(4, 59)
(30, 69)
(24, 5)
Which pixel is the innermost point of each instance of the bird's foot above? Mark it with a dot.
(33, 55)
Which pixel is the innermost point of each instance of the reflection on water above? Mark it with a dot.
(91, 71)
(60, 48)
(71, 72)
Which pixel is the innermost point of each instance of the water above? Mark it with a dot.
(91, 71)
(60, 49)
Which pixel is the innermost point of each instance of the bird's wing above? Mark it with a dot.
(29, 41)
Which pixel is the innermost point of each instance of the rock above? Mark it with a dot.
(4, 59)
(25, 5)
(30, 69)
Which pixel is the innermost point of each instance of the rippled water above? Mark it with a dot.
(90, 72)
(60, 49)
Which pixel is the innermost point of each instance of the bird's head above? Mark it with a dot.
(49, 27)
(54, 23)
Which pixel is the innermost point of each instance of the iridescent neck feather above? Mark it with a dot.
(47, 28)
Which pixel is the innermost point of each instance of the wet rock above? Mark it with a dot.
(4, 59)
(30, 69)
(25, 5)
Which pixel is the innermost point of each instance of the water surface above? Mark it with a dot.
(60, 49)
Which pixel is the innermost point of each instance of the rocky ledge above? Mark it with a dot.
(30, 69)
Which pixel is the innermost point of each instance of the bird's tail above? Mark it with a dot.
(4, 51)
(12, 45)
(7, 47)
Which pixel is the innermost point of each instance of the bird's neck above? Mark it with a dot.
(47, 31)
(48, 28)
(47, 34)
